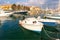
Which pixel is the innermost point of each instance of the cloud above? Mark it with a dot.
(37, 1)
(32, 2)
(22, 3)
(8, 2)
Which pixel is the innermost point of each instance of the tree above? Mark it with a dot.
(18, 7)
(13, 6)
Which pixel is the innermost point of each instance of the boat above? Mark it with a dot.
(5, 13)
(23, 12)
(19, 13)
(53, 16)
(31, 24)
(47, 22)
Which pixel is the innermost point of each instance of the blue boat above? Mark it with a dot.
(48, 22)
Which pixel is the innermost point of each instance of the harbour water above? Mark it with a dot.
(10, 29)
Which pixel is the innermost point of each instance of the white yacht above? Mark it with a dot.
(48, 22)
(19, 13)
(23, 12)
(53, 16)
(5, 13)
(31, 24)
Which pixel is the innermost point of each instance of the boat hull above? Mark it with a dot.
(52, 17)
(32, 27)
(48, 22)
(5, 14)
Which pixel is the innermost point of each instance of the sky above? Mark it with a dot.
(26, 2)
(40, 3)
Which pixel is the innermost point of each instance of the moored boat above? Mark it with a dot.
(5, 13)
(53, 16)
(31, 24)
(47, 22)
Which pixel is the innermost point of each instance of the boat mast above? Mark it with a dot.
(58, 5)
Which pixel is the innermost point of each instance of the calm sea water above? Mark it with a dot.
(10, 29)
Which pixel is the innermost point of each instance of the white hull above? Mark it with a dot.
(33, 27)
(5, 14)
(45, 20)
(48, 22)
(53, 17)
(31, 24)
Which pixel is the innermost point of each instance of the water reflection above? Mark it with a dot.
(4, 19)
(11, 29)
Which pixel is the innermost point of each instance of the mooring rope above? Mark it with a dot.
(48, 34)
